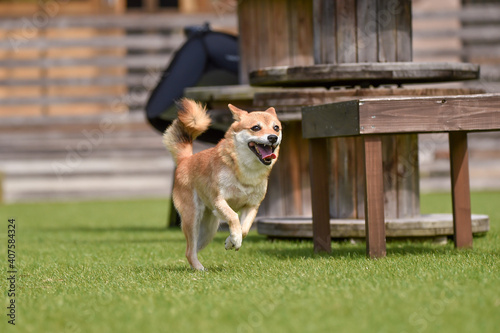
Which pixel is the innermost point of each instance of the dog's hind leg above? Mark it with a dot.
(190, 223)
(208, 228)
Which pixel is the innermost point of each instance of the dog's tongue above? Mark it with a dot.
(266, 152)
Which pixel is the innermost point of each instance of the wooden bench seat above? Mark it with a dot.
(373, 118)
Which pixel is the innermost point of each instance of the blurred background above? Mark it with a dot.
(75, 77)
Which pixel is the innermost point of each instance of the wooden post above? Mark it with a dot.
(460, 189)
(374, 197)
(319, 195)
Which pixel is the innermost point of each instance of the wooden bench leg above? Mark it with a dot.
(460, 189)
(374, 197)
(318, 170)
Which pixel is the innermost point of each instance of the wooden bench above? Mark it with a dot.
(372, 119)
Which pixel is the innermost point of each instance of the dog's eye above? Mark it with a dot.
(256, 128)
(276, 128)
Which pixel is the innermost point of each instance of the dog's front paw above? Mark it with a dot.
(233, 242)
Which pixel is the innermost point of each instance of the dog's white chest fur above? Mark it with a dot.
(237, 194)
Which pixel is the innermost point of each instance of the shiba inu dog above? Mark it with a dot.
(217, 183)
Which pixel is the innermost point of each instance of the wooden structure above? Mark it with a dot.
(75, 65)
(373, 118)
(470, 32)
(363, 74)
(274, 33)
(36, 13)
(39, 9)
(82, 157)
(140, 47)
(354, 43)
(361, 44)
(342, 32)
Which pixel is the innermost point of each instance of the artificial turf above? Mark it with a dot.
(114, 267)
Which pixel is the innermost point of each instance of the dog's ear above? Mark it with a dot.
(237, 113)
(272, 111)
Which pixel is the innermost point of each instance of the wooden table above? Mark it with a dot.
(371, 119)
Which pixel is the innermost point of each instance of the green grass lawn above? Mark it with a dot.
(113, 267)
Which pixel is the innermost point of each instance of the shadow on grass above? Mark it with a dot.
(285, 253)
(172, 268)
(102, 229)
(345, 249)
(127, 241)
(114, 235)
(180, 267)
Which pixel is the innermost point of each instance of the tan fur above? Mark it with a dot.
(192, 121)
(217, 183)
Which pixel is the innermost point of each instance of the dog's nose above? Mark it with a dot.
(272, 138)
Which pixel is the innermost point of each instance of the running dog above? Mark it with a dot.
(217, 183)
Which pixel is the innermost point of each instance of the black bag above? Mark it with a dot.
(207, 58)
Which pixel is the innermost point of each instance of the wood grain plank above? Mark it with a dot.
(408, 200)
(101, 61)
(346, 31)
(131, 42)
(301, 32)
(291, 176)
(319, 194)
(346, 184)
(404, 51)
(323, 120)
(333, 179)
(255, 36)
(386, 27)
(274, 201)
(305, 179)
(403, 115)
(246, 48)
(291, 100)
(363, 73)
(460, 189)
(279, 32)
(161, 20)
(318, 32)
(428, 226)
(390, 172)
(430, 114)
(366, 34)
(324, 28)
(374, 199)
(360, 178)
(264, 28)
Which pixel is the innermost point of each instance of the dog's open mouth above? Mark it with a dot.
(265, 153)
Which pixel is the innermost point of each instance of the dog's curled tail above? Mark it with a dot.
(192, 120)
